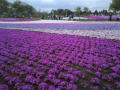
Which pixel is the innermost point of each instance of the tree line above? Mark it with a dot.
(20, 9)
(17, 9)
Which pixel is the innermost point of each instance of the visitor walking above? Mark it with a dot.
(110, 17)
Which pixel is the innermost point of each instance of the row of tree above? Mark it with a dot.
(115, 6)
(19, 9)
(16, 9)
(78, 12)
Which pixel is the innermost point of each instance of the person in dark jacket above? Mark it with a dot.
(110, 17)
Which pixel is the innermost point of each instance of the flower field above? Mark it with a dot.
(43, 61)
(102, 18)
(16, 19)
(65, 26)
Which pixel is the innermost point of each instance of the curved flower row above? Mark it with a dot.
(16, 19)
(66, 26)
(41, 61)
(102, 17)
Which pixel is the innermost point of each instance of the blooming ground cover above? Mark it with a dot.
(16, 19)
(102, 17)
(43, 61)
(99, 18)
(66, 26)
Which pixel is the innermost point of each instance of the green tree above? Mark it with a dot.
(104, 12)
(4, 7)
(86, 11)
(67, 12)
(115, 5)
(61, 12)
(54, 12)
(29, 11)
(17, 8)
(21, 9)
(78, 11)
(96, 12)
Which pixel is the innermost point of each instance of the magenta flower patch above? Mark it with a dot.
(16, 19)
(43, 61)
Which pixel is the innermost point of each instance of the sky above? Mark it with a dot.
(47, 5)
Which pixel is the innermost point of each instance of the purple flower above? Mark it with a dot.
(95, 81)
(26, 87)
(63, 83)
(118, 85)
(56, 81)
(51, 88)
(40, 74)
(71, 87)
(95, 88)
(104, 66)
(55, 61)
(114, 75)
(116, 69)
(3, 87)
(43, 86)
(14, 80)
(108, 87)
(31, 79)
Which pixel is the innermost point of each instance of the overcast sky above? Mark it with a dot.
(47, 5)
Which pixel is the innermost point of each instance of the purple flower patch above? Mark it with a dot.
(43, 61)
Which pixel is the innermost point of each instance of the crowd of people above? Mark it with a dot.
(71, 17)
